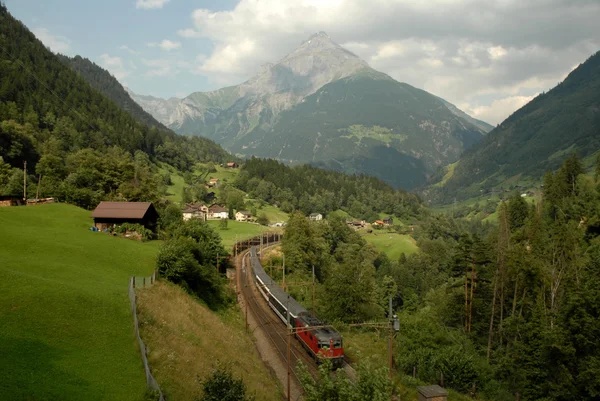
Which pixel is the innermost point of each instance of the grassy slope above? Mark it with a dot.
(239, 230)
(391, 243)
(66, 330)
(186, 341)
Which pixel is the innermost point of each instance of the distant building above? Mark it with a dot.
(217, 212)
(232, 165)
(195, 210)
(388, 221)
(213, 183)
(315, 216)
(243, 215)
(108, 214)
(432, 393)
(378, 223)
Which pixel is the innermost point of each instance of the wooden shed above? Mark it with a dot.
(108, 214)
(432, 393)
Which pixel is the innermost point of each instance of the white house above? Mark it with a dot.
(243, 215)
(195, 210)
(217, 212)
(315, 216)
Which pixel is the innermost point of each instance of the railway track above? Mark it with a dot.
(272, 327)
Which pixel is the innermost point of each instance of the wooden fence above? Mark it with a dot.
(142, 282)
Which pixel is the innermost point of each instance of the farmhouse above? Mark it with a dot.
(217, 212)
(388, 221)
(109, 214)
(243, 215)
(195, 210)
(213, 183)
(232, 165)
(378, 223)
(315, 216)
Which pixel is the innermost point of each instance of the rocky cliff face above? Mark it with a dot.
(322, 104)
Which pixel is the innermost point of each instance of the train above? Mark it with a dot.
(321, 341)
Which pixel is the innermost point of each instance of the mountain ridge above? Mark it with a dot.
(250, 117)
(534, 139)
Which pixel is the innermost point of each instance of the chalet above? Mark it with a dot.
(232, 165)
(315, 216)
(213, 183)
(217, 212)
(195, 211)
(110, 214)
(378, 223)
(388, 221)
(243, 215)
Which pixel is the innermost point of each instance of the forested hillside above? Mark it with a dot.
(105, 83)
(81, 144)
(536, 138)
(313, 190)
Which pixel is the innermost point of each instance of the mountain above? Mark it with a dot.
(103, 81)
(534, 139)
(322, 104)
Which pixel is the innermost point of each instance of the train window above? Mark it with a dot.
(337, 344)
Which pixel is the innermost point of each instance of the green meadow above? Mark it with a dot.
(237, 230)
(66, 330)
(391, 243)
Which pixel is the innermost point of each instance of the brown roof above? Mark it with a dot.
(216, 209)
(121, 210)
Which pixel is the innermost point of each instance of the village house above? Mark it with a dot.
(378, 223)
(217, 212)
(315, 216)
(109, 214)
(213, 183)
(195, 211)
(232, 165)
(388, 221)
(243, 215)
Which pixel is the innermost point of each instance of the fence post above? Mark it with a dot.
(144, 282)
(133, 281)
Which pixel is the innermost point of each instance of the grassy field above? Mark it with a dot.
(391, 243)
(186, 341)
(66, 330)
(225, 175)
(238, 230)
(273, 214)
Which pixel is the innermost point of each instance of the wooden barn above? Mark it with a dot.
(108, 214)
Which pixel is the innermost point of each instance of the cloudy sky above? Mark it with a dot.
(488, 57)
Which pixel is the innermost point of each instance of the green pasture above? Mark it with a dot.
(392, 244)
(238, 230)
(66, 330)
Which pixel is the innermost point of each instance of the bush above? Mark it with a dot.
(222, 386)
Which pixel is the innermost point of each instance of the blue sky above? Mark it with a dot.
(117, 35)
(488, 57)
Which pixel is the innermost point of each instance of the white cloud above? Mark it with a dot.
(129, 50)
(498, 110)
(471, 53)
(56, 43)
(147, 4)
(115, 66)
(166, 45)
(165, 67)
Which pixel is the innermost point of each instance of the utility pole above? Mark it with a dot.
(313, 289)
(25, 181)
(289, 396)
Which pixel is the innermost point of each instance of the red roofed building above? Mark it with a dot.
(108, 214)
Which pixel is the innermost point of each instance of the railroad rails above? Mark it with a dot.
(274, 330)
